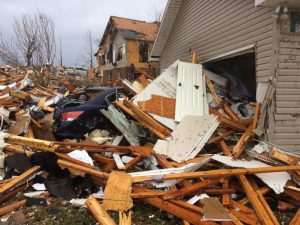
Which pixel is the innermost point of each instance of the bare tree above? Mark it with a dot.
(8, 52)
(88, 51)
(32, 43)
(60, 53)
(158, 14)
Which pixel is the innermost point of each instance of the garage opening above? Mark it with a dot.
(239, 73)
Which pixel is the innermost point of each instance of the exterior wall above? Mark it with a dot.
(287, 117)
(215, 27)
(110, 76)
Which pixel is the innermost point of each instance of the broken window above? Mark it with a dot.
(109, 54)
(109, 76)
(295, 22)
(143, 52)
(120, 52)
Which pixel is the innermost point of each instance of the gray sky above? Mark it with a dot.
(74, 17)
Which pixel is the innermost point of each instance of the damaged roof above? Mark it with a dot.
(132, 29)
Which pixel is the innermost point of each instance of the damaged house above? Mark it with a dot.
(125, 47)
(255, 44)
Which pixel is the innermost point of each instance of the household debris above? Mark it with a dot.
(177, 143)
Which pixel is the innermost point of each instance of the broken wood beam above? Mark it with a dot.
(19, 179)
(190, 189)
(98, 212)
(217, 173)
(225, 148)
(221, 137)
(296, 218)
(91, 171)
(31, 142)
(11, 207)
(225, 197)
(259, 208)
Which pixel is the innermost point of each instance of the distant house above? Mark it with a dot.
(125, 46)
(257, 41)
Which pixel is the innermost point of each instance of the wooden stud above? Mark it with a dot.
(259, 208)
(221, 137)
(218, 173)
(225, 148)
(225, 197)
(21, 178)
(98, 212)
(296, 218)
(11, 207)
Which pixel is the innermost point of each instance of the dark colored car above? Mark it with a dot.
(79, 114)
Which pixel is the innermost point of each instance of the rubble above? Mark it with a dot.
(194, 163)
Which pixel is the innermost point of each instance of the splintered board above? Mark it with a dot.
(117, 192)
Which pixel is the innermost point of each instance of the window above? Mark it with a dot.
(295, 22)
(109, 76)
(109, 54)
(143, 52)
(120, 52)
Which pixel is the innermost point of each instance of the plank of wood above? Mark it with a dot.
(221, 137)
(266, 206)
(191, 217)
(242, 143)
(296, 218)
(282, 157)
(225, 148)
(214, 210)
(11, 207)
(117, 192)
(98, 212)
(225, 197)
(218, 173)
(259, 208)
(21, 178)
(256, 115)
(31, 143)
(190, 189)
(80, 168)
(133, 162)
(263, 190)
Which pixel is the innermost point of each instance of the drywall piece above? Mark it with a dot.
(190, 91)
(82, 156)
(117, 192)
(213, 210)
(164, 85)
(130, 86)
(276, 180)
(219, 79)
(189, 138)
(196, 198)
(159, 173)
(119, 162)
(117, 140)
(129, 129)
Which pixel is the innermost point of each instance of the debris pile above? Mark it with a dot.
(175, 142)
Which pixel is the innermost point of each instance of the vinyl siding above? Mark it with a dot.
(287, 118)
(215, 27)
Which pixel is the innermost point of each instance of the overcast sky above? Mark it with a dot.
(74, 17)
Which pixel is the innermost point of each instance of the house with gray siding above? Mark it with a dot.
(258, 40)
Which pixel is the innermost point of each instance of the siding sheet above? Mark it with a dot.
(287, 119)
(215, 27)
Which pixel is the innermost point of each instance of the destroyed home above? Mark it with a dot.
(254, 42)
(190, 146)
(125, 47)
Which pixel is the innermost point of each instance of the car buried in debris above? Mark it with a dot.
(79, 114)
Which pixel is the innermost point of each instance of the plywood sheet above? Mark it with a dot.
(190, 91)
(158, 105)
(117, 192)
